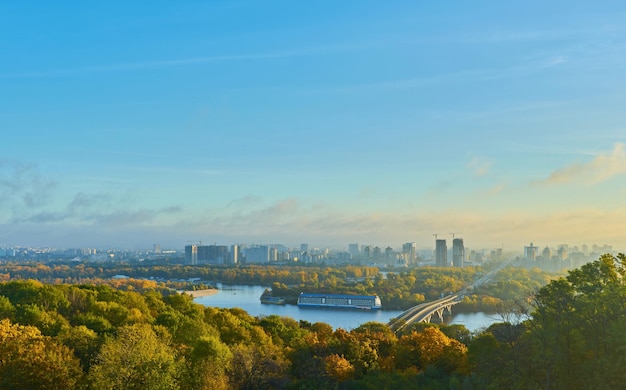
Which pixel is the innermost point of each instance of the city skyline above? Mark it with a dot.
(409, 249)
(126, 125)
(563, 257)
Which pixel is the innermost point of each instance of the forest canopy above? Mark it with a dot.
(82, 336)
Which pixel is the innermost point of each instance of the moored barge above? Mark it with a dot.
(340, 301)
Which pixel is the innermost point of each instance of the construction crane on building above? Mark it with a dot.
(454, 234)
(437, 234)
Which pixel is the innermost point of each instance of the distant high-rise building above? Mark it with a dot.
(354, 250)
(234, 254)
(191, 254)
(458, 252)
(156, 248)
(217, 254)
(530, 252)
(562, 253)
(195, 254)
(597, 249)
(259, 254)
(441, 253)
(344, 256)
(285, 256)
(546, 253)
(304, 247)
(10, 252)
(409, 252)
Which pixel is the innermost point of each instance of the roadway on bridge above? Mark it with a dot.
(424, 311)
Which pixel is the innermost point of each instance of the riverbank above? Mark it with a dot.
(200, 293)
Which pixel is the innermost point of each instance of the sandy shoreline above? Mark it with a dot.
(201, 293)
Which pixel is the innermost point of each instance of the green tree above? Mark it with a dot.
(431, 347)
(579, 327)
(84, 342)
(135, 359)
(50, 323)
(7, 310)
(207, 363)
(339, 368)
(29, 360)
(284, 330)
(257, 367)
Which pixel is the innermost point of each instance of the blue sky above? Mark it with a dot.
(323, 122)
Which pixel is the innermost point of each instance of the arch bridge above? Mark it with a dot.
(425, 311)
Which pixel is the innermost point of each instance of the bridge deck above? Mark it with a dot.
(423, 311)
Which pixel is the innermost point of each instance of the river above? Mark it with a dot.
(247, 298)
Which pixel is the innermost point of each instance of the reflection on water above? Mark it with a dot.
(472, 321)
(247, 298)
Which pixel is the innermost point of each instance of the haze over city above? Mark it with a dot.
(128, 124)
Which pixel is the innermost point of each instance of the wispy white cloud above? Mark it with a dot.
(286, 223)
(472, 75)
(553, 61)
(116, 218)
(99, 209)
(496, 37)
(23, 185)
(188, 61)
(496, 189)
(602, 168)
(244, 202)
(479, 166)
(135, 66)
(291, 221)
(538, 35)
(252, 211)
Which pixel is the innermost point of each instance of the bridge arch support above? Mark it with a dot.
(439, 311)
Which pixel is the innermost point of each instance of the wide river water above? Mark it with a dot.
(247, 298)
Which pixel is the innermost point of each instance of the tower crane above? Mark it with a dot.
(454, 234)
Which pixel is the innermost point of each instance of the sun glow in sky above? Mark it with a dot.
(131, 123)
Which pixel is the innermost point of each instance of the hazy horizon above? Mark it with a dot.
(327, 122)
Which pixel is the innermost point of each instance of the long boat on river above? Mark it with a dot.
(340, 301)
